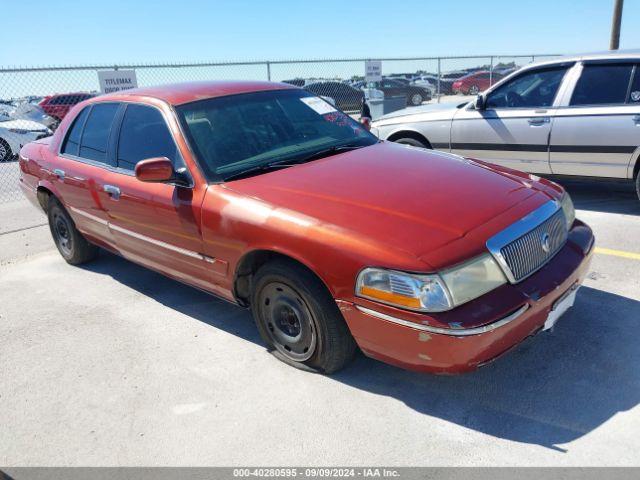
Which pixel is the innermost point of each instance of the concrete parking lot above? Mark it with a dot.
(112, 364)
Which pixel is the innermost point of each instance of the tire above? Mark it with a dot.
(299, 320)
(638, 184)
(5, 151)
(474, 90)
(73, 247)
(416, 99)
(411, 141)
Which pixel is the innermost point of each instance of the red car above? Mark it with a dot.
(57, 106)
(267, 196)
(475, 82)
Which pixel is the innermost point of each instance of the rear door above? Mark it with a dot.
(597, 131)
(514, 128)
(155, 224)
(82, 167)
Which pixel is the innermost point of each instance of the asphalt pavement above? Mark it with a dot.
(112, 364)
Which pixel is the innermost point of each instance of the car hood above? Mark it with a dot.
(436, 110)
(407, 199)
(22, 124)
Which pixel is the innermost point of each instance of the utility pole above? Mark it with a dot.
(614, 43)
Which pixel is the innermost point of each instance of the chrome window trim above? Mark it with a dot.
(517, 230)
(462, 332)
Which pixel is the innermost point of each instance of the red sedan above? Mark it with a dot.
(475, 82)
(267, 196)
(57, 106)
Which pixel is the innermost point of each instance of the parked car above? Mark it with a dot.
(414, 94)
(265, 195)
(571, 116)
(57, 106)
(16, 133)
(345, 96)
(475, 82)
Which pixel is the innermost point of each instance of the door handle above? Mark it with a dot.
(113, 191)
(59, 173)
(536, 121)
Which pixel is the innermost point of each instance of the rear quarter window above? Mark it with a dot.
(72, 143)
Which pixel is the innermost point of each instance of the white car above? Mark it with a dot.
(16, 133)
(577, 116)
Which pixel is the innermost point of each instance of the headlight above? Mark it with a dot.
(424, 293)
(568, 209)
(431, 293)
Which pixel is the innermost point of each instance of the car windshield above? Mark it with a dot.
(237, 133)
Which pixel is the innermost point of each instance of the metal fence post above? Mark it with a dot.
(269, 71)
(438, 80)
(491, 72)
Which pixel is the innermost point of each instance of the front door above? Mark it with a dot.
(513, 129)
(155, 224)
(597, 133)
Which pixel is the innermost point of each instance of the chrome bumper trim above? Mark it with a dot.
(462, 332)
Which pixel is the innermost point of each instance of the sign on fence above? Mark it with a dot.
(116, 80)
(372, 70)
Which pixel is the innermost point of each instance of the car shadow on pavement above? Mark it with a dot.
(613, 196)
(182, 298)
(552, 389)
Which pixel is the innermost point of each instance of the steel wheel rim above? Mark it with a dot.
(473, 90)
(62, 230)
(416, 99)
(288, 321)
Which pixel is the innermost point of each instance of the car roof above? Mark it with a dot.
(179, 93)
(613, 55)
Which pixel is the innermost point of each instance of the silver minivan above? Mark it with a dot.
(576, 116)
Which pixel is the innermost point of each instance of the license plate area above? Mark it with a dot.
(560, 306)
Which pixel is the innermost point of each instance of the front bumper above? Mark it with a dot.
(501, 319)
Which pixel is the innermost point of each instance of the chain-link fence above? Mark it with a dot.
(34, 100)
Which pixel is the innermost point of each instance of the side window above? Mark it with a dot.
(534, 89)
(72, 143)
(144, 134)
(95, 138)
(602, 85)
(634, 91)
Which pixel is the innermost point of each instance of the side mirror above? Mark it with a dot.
(157, 170)
(479, 103)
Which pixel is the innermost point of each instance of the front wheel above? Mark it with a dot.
(474, 90)
(73, 247)
(299, 320)
(412, 142)
(5, 151)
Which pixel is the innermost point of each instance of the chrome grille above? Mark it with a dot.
(526, 254)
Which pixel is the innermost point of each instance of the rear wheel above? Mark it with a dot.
(299, 320)
(416, 99)
(73, 247)
(5, 151)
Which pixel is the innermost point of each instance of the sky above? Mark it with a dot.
(120, 32)
(64, 32)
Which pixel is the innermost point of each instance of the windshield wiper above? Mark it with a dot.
(326, 152)
(291, 162)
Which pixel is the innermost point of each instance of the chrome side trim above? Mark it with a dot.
(159, 243)
(89, 216)
(517, 230)
(144, 238)
(463, 332)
